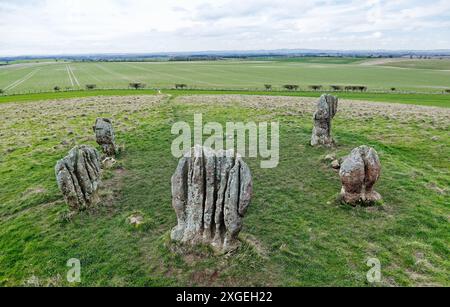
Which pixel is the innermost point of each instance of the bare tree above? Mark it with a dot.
(137, 85)
(315, 87)
(180, 86)
(291, 87)
(362, 88)
(336, 88)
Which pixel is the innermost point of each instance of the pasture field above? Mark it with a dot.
(232, 74)
(295, 233)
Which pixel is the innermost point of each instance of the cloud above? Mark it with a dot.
(94, 26)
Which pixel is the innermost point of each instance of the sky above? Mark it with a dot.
(44, 27)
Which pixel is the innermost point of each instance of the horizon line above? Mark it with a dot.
(300, 50)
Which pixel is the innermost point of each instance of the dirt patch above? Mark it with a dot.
(110, 191)
(383, 61)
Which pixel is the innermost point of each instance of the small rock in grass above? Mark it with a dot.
(108, 162)
(136, 220)
(335, 164)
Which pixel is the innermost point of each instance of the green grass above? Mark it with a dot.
(433, 64)
(250, 75)
(295, 234)
(317, 60)
(439, 100)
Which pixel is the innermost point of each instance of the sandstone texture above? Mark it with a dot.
(359, 173)
(326, 110)
(211, 191)
(104, 133)
(78, 177)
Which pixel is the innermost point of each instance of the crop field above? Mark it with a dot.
(432, 64)
(295, 234)
(429, 76)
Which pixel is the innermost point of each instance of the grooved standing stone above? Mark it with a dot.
(78, 177)
(211, 191)
(326, 110)
(104, 133)
(359, 173)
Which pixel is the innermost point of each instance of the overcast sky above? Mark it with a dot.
(128, 26)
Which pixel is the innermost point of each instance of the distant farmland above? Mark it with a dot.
(433, 76)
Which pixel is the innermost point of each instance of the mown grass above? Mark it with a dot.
(295, 233)
(439, 100)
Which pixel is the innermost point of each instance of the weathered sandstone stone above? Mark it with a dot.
(359, 173)
(211, 191)
(78, 177)
(104, 133)
(326, 110)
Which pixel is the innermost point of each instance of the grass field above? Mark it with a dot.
(432, 64)
(252, 75)
(295, 233)
(316, 60)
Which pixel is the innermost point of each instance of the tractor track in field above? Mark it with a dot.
(72, 77)
(22, 80)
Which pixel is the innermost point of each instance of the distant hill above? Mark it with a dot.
(214, 55)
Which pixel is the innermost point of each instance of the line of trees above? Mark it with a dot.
(291, 87)
(315, 87)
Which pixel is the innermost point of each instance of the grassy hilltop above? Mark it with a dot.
(295, 233)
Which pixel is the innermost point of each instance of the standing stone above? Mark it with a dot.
(78, 177)
(326, 110)
(211, 191)
(359, 173)
(104, 133)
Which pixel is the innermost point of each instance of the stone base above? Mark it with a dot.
(363, 199)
